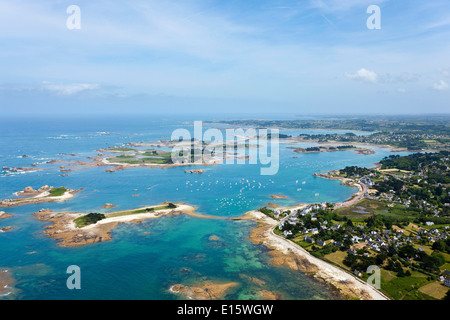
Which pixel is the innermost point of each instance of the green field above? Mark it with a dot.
(145, 210)
(405, 288)
(368, 207)
(57, 192)
(150, 158)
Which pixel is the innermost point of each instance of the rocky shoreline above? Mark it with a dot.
(4, 215)
(285, 253)
(64, 230)
(278, 196)
(206, 291)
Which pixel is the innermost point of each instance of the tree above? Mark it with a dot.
(438, 258)
(380, 258)
(432, 262)
(347, 243)
(350, 261)
(439, 245)
(407, 251)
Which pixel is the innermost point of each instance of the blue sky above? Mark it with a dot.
(304, 57)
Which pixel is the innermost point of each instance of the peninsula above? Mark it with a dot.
(291, 255)
(73, 229)
(399, 221)
(333, 148)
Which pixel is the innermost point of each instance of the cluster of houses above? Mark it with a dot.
(433, 234)
(372, 239)
(393, 198)
(391, 138)
(293, 215)
(446, 278)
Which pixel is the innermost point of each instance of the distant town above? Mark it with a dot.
(414, 133)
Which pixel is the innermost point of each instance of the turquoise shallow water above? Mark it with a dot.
(144, 260)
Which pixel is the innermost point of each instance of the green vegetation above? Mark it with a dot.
(402, 226)
(435, 165)
(150, 157)
(354, 171)
(406, 288)
(144, 210)
(57, 192)
(415, 133)
(91, 218)
(267, 212)
(345, 147)
(312, 149)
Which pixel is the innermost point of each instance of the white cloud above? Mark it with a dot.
(401, 90)
(363, 75)
(441, 86)
(68, 88)
(444, 71)
(343, 5)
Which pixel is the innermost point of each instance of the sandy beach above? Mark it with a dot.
(362, 189)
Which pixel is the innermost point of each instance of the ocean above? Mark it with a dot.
(142, 261)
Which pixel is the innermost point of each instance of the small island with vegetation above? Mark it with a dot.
(42, 195)
(332, 148)
(73, 229)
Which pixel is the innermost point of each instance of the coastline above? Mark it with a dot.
(287, 253)
(358, 145)
(331, 148)
(362, 189)
(206, 291)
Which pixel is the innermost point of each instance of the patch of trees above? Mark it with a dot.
(327, 249)
(442, 245)
(88, 219)
(313, 149)
(418, 161)
(355, 262)
(267, 212)
(354, 170)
